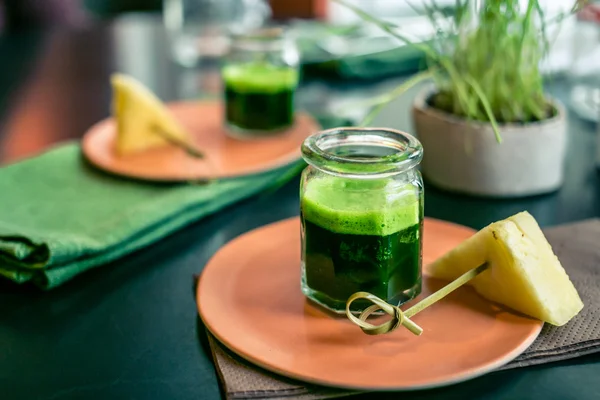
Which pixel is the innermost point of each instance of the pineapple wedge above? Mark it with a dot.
(139, 114)
(524, 273)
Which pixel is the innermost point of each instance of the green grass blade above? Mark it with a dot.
(425, 48)
(397, 92)
(486, 107)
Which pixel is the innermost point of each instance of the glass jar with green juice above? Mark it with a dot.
(361, 206)
(260, 76)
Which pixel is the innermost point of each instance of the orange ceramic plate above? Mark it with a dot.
(249, 297)
(225, 156)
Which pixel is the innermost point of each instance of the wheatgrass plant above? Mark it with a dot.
(485, 62)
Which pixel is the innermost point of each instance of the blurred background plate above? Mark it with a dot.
(225, 156)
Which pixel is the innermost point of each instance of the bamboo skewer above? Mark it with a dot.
(187, 147)
(399, 317)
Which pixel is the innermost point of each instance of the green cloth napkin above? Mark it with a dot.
(378, 65)
(362, 59)
(59, 216)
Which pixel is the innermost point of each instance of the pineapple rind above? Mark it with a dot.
(560, 296)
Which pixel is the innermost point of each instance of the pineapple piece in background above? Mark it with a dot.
(143, 121)
(524, 273)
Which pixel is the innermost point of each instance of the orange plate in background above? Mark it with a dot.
(249, 298)
(225, 156)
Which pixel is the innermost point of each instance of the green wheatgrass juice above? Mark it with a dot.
(361, 235)
(259, 96)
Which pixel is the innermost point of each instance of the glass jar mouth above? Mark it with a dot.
(362, 152)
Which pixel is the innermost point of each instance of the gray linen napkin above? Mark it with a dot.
(578, 248)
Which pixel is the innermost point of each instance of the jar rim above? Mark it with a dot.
(405, 152)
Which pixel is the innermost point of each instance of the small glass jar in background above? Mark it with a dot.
(200, 29)
(585, 68)
(260, 76)
(361, 207)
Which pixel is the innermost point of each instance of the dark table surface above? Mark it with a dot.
(130, 329)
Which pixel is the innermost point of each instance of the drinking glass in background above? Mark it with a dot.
(585, 68)
(201, 29)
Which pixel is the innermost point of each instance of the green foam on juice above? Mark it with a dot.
(259, 78)
(361, 207)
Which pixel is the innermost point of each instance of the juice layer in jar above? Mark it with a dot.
(259, 96)
(361, 236)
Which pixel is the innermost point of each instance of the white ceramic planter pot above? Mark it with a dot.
(465, 157)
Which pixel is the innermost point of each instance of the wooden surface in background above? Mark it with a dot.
(285, 9)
